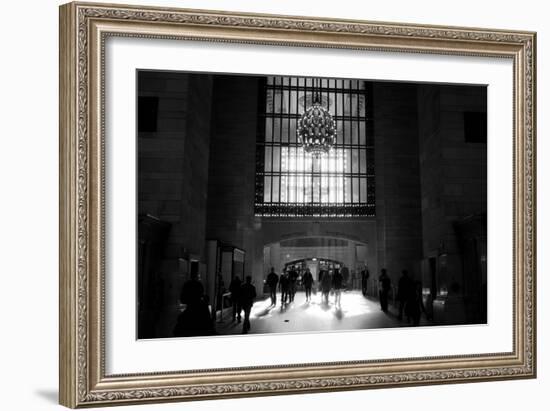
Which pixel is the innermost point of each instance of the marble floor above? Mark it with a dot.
(355, 312)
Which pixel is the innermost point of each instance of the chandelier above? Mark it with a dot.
(316, 128)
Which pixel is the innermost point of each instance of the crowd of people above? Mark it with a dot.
(197, 319)
(409, 297)
(330, 281)
(242, 300)
(334, 281)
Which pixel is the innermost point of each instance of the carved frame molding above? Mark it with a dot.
(83, 30)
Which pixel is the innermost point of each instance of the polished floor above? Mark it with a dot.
(355, 312)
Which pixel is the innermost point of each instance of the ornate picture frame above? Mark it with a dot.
(84, 29)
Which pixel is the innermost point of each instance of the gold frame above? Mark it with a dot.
(83, 30)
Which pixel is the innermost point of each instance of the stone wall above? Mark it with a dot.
(453, 178)
(173, 175)
(398, 211)
(230, 207)
(173, 161)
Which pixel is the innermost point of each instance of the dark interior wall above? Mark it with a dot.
(398, 210)
(231, 186)
(173, 160)
(453, 172)
(173, 179)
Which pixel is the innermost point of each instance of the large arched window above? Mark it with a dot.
(289, 181)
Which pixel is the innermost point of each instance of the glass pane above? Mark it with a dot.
(362, 135)
(347, 190)
(363, 161)
(276, 158)
(285, 137)
(285, 157)
(267, 189)
(276, 100)
(347, 132)
(340, 181)
(355, 161)
(275, 192)
(363, 190)
(293, 102)
(355, 190)
(333, 190)
(292, 130)
(299, 189)
(362, 105)
(355, 133)
(316, 162)
(283, 197)
(340, 103)
(347, 160)
(316, 186)
(351, 105)
(284, 98)
(324, 189)
(307, 187)
(292, 189)
(267, 162)
(268, 129)
(277, 129)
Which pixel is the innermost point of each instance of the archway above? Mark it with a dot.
(314, 264)
(316, 252)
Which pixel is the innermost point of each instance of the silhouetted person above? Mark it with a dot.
(272, 280)
(220, 291)
(403, 290)
(415, 305)
(195, 320)
(326, 284)
(307, 280)
(248, 295)
(337, 284)
(284, 285)
(235, 289)
(385, 285)
(345, 277)
(192, 291)
(293, 279)
(364, 280)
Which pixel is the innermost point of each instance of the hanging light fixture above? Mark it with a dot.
(316, 128)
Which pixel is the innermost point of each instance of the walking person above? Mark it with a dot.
(364, 280)
(235, 289)
(326, 283)
(345, 278)
(337, 284)
(272, 280)
(284, 286)
(385, 285)
(292, 279)
(307, 280)
(415, 305)
(195, 320)
(353, 279)
(403, 290)
(248, 295)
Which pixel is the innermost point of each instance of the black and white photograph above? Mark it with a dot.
(281, 204)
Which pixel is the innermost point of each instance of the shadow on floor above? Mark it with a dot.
(52, 396)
